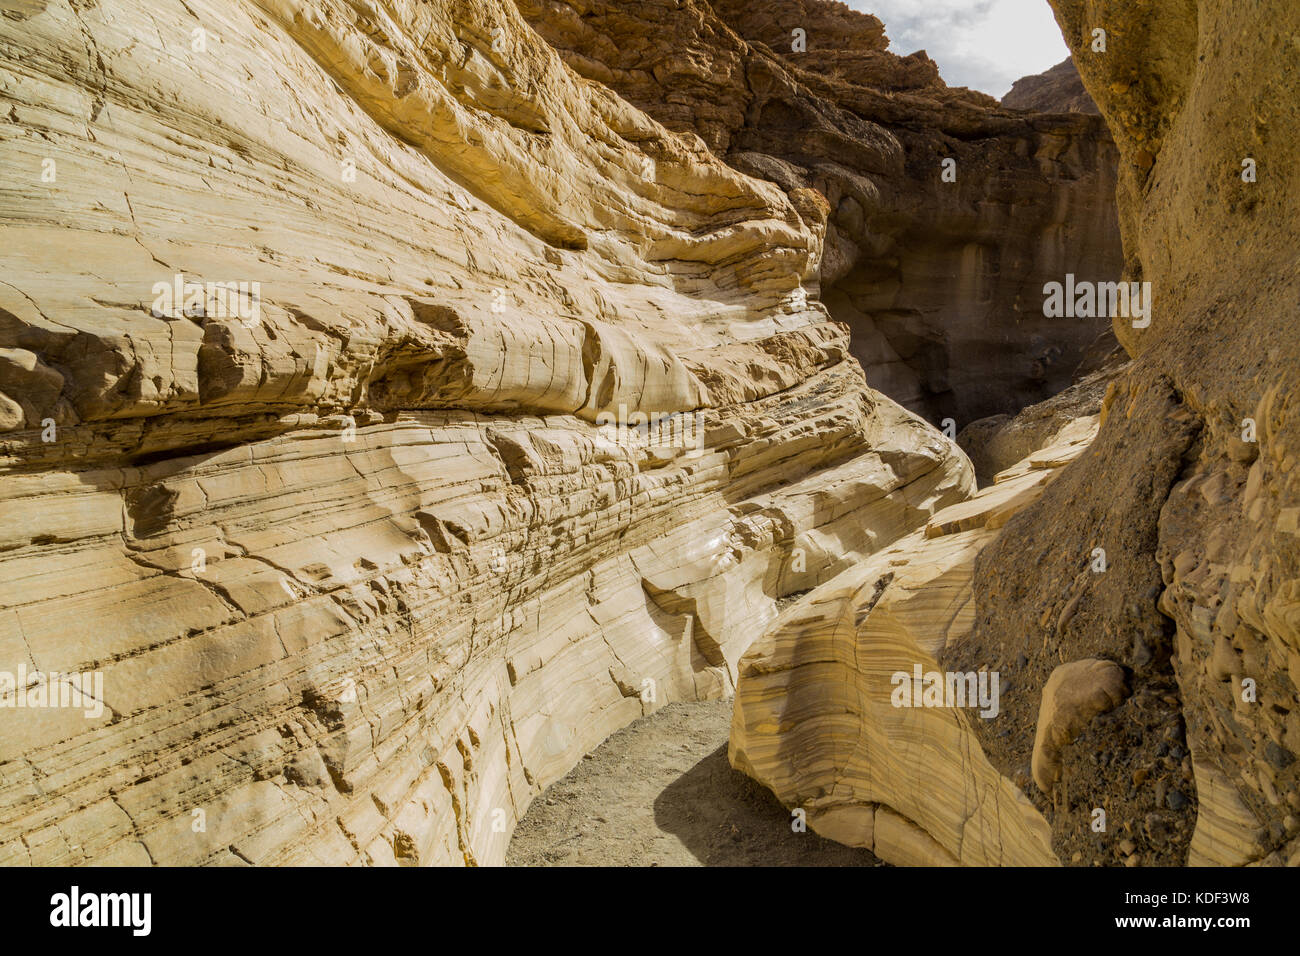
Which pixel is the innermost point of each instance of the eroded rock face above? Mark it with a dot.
(1059, 90)
(998, 442)
(941, 282)
(837, 713)
(1192, 488)
(360, 554)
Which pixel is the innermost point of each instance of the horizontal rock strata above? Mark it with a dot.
(389, 414)
(939, 278)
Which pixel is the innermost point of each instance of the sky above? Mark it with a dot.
(984, 44)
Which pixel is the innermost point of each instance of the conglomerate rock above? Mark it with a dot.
(514, 422)
(1192, 489)
(948, 214)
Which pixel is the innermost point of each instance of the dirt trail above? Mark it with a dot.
(661, 793)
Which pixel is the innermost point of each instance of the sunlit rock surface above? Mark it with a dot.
(938, 269)
(366, 559)
(819, 718)
(1166, 557)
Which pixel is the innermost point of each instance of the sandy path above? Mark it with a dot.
(660, 793)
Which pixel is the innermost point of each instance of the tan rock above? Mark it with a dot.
(939, 280)
(1227, 833)
(999, 442)
(11, 414)
(818, 718)
(1074, 694)
(526, 437)
(1194, 527)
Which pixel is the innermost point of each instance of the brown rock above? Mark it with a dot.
(1164, 489)
(1074, 694)
(1059, 90)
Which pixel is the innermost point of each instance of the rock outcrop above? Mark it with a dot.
(842, 711)
(1164, 560)
(1191, 488)
(996, 443)
(1059, 90)
(1074, 694)
(948, 214)
(389, 414)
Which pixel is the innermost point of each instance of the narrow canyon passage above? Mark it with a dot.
(578, 432)
(660, 792)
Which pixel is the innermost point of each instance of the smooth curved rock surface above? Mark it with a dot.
(819, 719)
(366, 564)
(940, 281)
(1074, 694)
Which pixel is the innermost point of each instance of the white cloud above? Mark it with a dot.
(984, 44)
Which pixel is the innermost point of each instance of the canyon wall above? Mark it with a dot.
(939, 277)
(824, 719)
(387, 414)
(1143, 609)
(1191, 488)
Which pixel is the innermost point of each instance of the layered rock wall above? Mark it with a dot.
(1144, 605)
(940, 281)
(834, 713)
(519, 425)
